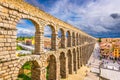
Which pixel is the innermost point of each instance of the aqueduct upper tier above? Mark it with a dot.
(74, 52)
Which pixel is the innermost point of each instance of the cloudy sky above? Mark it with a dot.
(99, 18)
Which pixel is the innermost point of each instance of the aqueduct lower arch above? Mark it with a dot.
(76, 53)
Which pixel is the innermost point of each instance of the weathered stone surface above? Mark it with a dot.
(73, 52)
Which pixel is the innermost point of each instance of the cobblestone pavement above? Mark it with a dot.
(80, 75)
(91, 76)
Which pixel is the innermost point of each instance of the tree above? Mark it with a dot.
(99, 40)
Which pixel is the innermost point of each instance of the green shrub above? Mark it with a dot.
(27, 65)
(47, 74)
(23, 77)
(19, 48)
(99, 40)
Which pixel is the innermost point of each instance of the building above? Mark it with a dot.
(105, 52)
(105, 49)
(29, 41)
(116, 51)
(110, 47)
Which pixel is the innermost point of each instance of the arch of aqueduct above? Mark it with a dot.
(74, 53)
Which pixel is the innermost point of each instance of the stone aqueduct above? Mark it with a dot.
(74, 53)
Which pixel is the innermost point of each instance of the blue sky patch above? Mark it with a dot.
(95, 17)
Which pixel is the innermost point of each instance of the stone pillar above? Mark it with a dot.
(81, 55)
(71, 41)
(85, 39)
(39, 43)
(75, 41)
(78, 39)
(89, 51)
(70, 62)
(72, 65)
(58, 77)
(81, 39)
(87, 58)
(75, 62)
(38, 74)
(35, 74)
(85, 54)
(78, 59)
(63, 66)
(66, 67)
(54, 43)
(63, 41)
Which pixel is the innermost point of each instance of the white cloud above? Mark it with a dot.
(94, 15)
(47, 31)
(24, 31)
(25, 28)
